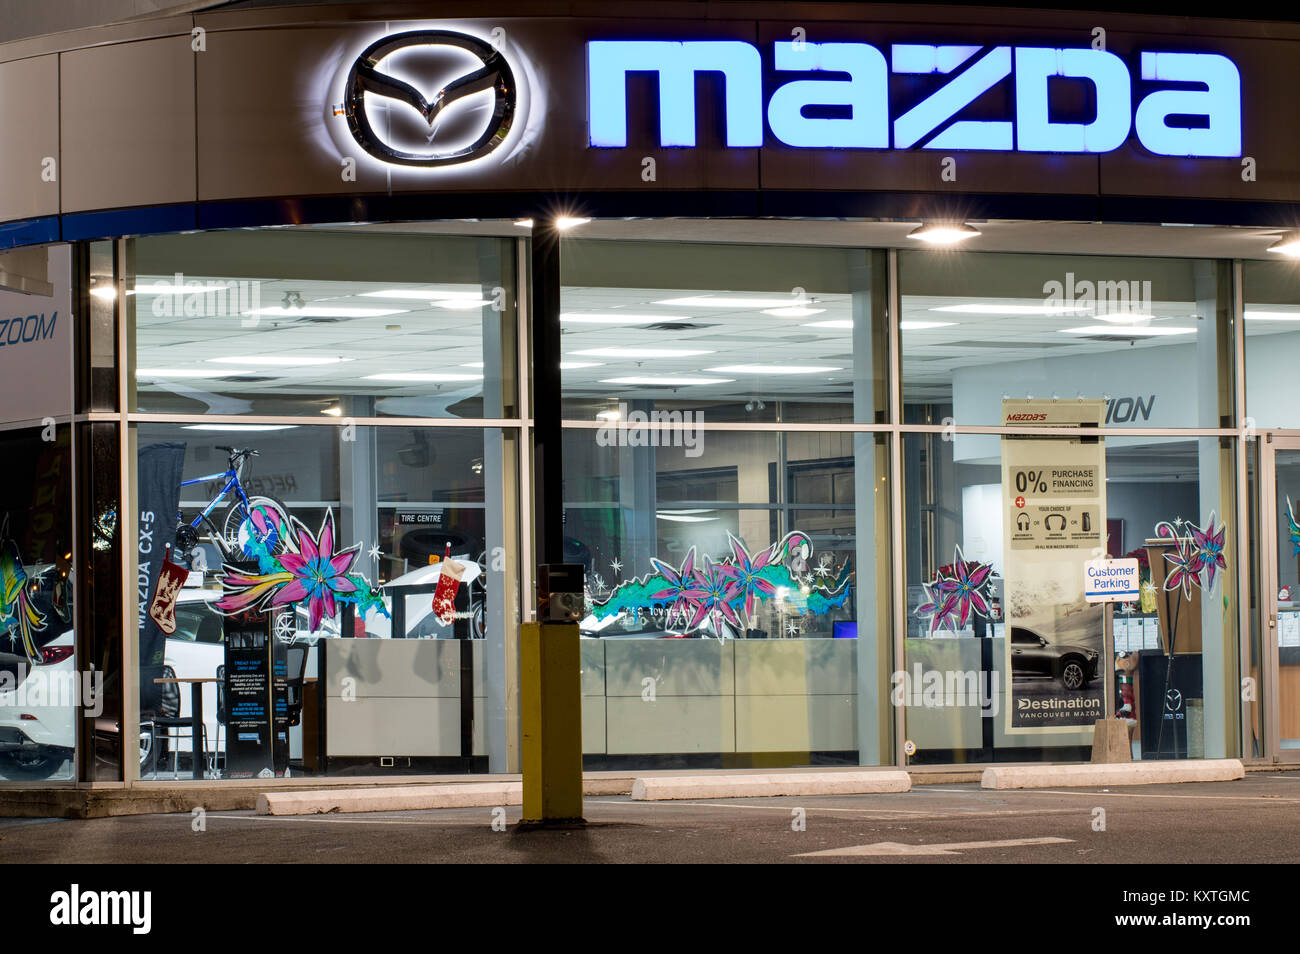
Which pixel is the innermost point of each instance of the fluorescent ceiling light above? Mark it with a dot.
(843, 324)
(617, 318)
(423, 376)
(608, 415)
(162, 288)
(923, 325)
(1288, 245)
(666, 380)
(424, 294)
(1272, 316)
(773, 369)
(684, 518)
(576, 365)
(524, 223)
(793, 311)
(943, 233)
(332, 411)
(283, 360)
(325, 311)
(240, 427)
(1127, 330)
(983, 308)
(566, 222)
(472, 364)
(458, 304)
(1124, 317)
(189, 372)
(104, 292)
(720, 301)
(634, 353)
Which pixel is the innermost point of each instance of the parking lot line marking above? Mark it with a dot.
(1093, 794)
(918, 815)
(951, 848)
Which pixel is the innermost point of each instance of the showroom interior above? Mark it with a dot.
(274, 438)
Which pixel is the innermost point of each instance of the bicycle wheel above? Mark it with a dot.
(267, 522)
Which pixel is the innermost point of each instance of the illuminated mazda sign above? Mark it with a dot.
(430, 132)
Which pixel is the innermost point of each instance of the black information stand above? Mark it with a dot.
(256, 698)
(1170, 706)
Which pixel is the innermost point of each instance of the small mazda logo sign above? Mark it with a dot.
(448, 143)
(1173, 700)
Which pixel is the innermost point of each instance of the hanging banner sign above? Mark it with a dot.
(1055, 518)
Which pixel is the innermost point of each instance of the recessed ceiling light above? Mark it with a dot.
(924, 325)
(634, 353)
(524, 223)
(1288, 245)
(332, 411)
(773, 369)
(566, 222)
(414, 376)
(722, 301)
(282, 360)
(943, 233)
(988, 308)
(793, 311)
(240, 427)
(617, 318)
(668, 380)
(1127, 330)
(189, 372)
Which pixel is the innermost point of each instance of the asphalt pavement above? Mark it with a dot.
(1248, 821)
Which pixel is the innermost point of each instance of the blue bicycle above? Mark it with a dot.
(247, 518)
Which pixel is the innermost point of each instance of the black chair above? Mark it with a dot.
(295, 673)
(169, 718)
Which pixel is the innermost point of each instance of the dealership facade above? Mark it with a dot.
(845, 347)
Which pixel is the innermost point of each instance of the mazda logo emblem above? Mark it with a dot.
(493, 74)
(1173, 700)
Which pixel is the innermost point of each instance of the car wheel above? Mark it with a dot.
(148, 739)
(1073, 674)
(30, 767)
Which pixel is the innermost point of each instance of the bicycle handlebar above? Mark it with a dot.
(236, 452)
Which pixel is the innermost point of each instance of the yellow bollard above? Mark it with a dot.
(551, 714)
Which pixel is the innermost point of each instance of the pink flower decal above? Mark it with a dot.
(316, 574)
(680, 580)
(1209, 551)
(746, 574)
(714, 589)
(956, 594)
(1184, 567)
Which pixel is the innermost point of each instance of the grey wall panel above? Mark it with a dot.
(127, 125)
(29, 111)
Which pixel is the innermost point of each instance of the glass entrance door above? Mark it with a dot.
(1280, 548)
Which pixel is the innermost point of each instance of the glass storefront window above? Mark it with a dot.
(733, 333)
(1272, 330)
(313, 321)
(738, 596)
(1028, 656)
(333, 531)
(1150, 337)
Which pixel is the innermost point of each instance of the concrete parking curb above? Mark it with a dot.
(1120, 773)
(663, 787)
(405, 798)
